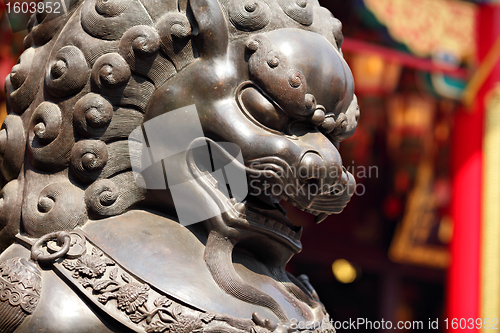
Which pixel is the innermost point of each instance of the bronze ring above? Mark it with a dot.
(62, 237)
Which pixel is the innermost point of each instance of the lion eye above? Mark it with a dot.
(262, 109)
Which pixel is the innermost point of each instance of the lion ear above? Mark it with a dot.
(211, 33)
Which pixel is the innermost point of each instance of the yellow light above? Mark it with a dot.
(344, 271)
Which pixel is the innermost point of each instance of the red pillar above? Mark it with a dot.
(464, 275)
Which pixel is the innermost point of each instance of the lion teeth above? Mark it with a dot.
(270, 224)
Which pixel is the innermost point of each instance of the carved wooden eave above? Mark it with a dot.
(428, 26)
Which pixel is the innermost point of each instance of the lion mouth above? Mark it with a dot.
(317, 198)
(273, 222)
(264, 213)
(322, 207)
(260, 210)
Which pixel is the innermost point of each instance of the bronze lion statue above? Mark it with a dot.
(147, 148)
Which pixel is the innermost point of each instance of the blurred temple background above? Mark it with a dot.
(420, 239)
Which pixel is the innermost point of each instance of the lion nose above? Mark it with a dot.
(312, 168)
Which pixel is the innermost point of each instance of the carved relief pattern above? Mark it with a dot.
(249, 15)
(10, 212)
(12, 146)
(21, 86)
(298, 10)
(59, 206)
(89, 265)
(20, 283)
(20, 287)
(144, 309)
(67, 73)
(92, 82)
(260, 16)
